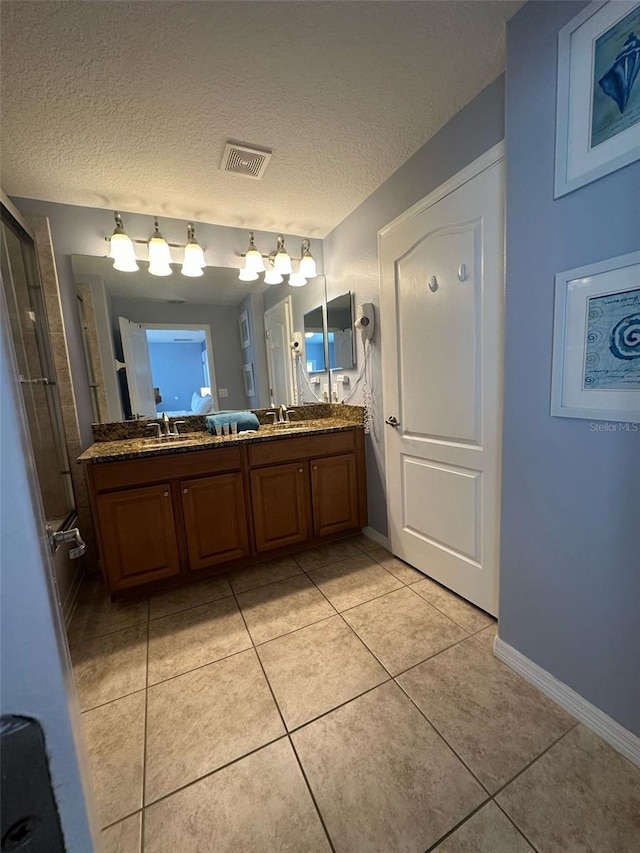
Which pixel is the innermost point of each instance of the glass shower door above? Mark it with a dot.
(24, 303)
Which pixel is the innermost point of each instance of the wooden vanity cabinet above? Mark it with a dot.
(138, 535)
(168, 517)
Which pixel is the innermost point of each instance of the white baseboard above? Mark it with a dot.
(377, 537)
(624, 741)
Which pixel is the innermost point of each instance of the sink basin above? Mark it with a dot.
(173, 441)
(292, 425)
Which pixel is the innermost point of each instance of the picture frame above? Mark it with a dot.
(249, 381)
(596, 341)
(598, 94)
(245, 330)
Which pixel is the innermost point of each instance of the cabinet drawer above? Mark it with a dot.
(305, 447)
(131, 472)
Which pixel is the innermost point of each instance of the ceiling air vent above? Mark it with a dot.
(245, 160)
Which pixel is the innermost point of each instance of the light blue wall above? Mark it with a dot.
(351, 250)
(177, 372)
(570, 584)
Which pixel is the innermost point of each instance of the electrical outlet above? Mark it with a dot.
(223, 392)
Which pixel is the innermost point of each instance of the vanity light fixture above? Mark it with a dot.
(194, 262)
(159, 253)
(279, 264)
(121, 248)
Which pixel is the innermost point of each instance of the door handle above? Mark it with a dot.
(392, 421)
(71, 535)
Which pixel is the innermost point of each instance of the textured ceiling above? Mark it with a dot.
(128, 105)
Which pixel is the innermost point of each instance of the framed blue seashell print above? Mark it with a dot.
(598, 93)
(596, 342)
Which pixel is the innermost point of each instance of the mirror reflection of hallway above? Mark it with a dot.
(182, 369)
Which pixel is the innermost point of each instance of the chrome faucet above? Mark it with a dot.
(165, 429)
(284, 414)
(281, 415)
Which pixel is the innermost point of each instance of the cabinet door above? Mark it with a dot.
(334, 489)
(138, 535)
(215, 519)
(280, 505)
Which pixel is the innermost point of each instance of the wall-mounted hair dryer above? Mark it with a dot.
(366, 320)
(297, 343)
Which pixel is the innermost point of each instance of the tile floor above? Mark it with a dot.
(335, 700)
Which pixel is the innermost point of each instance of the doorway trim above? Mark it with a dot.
(197, 327)
(289, 320)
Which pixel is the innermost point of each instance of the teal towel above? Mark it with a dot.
(245, 420)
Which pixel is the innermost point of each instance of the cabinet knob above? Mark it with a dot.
(185, 491)
(315, 467)
(165, 494)
(300, 470)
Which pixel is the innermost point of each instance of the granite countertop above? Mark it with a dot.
(141, 448)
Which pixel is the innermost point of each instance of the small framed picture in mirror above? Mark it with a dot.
(245, 332)
(249, 383)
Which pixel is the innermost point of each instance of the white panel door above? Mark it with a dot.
(138, 367)
(442, 282)
(278, 333)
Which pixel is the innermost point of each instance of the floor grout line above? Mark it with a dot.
(533, 760)
(444, 739)
(286, 729)
(311, 794)
(213, 772)
(146, 722)
(514, 824)
(457, 826)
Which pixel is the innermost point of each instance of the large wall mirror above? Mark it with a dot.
(192, 346)
(340, 339)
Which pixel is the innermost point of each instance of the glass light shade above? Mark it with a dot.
(248, 275)
(191, 270)
(296, 279)
(282, 262)
(253, 261)
(194, 261)
(273, 277)
(159, 252)
(159, 269)
(123, 253)
(308, 266)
